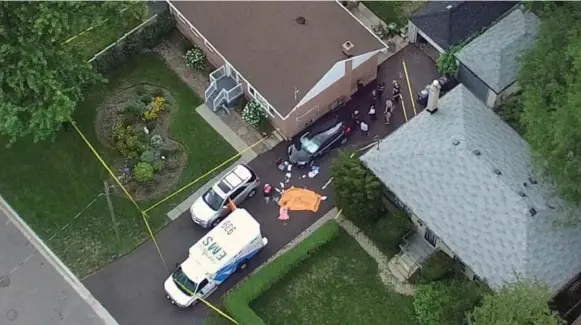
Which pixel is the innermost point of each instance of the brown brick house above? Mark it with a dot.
(298, 59)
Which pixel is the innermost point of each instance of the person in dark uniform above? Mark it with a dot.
(396, 92)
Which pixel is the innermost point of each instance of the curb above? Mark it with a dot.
(59, 266)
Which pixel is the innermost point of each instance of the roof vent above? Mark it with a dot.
(476, 152)
(532, 211)
(347, 48)
(449, 7)
(550, 206)
(532, 181)
(497, 171)
(522, 194)
(455, 142)
(301, 20)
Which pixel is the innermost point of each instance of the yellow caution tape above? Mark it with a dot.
(89, 29)
(407, 78)
(216, 309)
(143, 215)
(227, 161)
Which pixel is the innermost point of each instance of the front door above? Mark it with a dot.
(430, 237)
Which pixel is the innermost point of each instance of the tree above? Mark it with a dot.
(524, 302)
(550, 77)
(42, 79)
(446, 302)
(358, 192)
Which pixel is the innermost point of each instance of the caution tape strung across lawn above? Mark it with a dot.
(143, 215)
(227, 161)
(89, 29)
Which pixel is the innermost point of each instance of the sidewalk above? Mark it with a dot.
(35, 287)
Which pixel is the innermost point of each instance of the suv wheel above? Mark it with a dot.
(344, 140)
(215, 222)
(252, 193)
(241, 266)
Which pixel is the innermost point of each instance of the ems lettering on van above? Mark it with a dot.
(213, 249)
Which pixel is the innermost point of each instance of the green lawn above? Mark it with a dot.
(105, 33)
(339, 284)
(394, 11)
(49, 183)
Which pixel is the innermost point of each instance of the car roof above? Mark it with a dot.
(237, 176)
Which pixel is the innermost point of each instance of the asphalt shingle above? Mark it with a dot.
(444, 168)
(452, 22)
(494, 55)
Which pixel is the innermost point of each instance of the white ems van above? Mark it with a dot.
(225, 249)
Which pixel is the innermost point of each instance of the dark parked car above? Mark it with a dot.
(315, 143)
(446, 84)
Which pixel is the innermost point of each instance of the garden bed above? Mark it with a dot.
(50, 184)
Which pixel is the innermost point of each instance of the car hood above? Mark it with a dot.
(172, 290)
(297, 155)
(202, 211)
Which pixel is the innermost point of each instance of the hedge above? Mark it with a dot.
(438, 267)
(238, 300)
(147, 37)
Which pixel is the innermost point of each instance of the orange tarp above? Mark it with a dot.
(300, 199)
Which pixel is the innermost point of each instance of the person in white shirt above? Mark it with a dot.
(364, 128)
(388, 111)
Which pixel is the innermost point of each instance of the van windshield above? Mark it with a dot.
(182, 281)
(213, 200)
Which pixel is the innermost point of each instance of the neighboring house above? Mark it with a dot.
(299, 59)
(439, 25)
(466, 179)
(490, 63)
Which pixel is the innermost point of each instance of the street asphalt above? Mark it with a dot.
(132, 287)
(32, 291)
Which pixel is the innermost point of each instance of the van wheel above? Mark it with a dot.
(252, 193)
(216, 222)
(344, 140)
(242, 266)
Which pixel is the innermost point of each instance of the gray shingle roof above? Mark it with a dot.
(493, 56)
(452, 22)
(430, 165)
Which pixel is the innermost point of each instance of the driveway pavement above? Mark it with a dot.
(34, 289)
(132, 287)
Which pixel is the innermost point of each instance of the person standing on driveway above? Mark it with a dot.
(388, 111)
(380, 89)
(396, 92)
(372, 113)
(364, 128)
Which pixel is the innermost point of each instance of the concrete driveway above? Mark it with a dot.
(132, 287)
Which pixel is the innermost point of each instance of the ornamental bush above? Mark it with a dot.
(195, 58)
(143, 172)
(253, 113)
(154, 109)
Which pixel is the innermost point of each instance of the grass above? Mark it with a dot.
(49, 183)
(339, 284)
(104, 34)
(394, 11)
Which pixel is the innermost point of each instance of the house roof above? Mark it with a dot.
(263, 41)
(449, 23)
(430, 164)
(493, 56)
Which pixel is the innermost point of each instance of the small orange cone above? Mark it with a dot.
(231, 205)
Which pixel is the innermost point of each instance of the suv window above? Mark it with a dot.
(202, 285)
(237, 192)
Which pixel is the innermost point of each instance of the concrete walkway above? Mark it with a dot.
(384, 273)
(233, 139)
(36, 288)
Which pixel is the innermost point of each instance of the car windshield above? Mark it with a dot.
(185, 285)
(310, 145)
(213, 200)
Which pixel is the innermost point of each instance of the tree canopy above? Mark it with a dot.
(551, 81)
(522, 303)
(42, 79)
(358, 191)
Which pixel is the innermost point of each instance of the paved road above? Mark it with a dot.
(35, 293)
(132, 287)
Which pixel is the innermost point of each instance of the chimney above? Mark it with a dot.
(347, 48)
(434, 95)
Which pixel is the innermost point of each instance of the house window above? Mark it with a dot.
(210, 47)
(251, 91)
(194, 32)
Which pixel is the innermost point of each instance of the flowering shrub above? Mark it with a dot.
(154, 109)
(253, 113)
(195, 58)
(143, 172)
(156, 141)
(126, 140)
